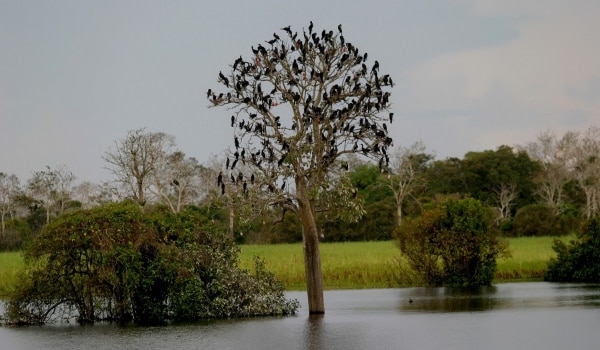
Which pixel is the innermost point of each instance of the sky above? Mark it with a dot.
(470, 75)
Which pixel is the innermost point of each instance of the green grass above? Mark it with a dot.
(11, 267)
(351, 264)
(529, 258)
(379, 264)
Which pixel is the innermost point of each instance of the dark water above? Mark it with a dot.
(507, 316)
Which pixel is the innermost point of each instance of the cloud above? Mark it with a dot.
(545, 78)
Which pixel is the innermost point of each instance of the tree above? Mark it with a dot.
(136, 158)
(502, 178)
(176, 180)
(51, 188)
(10, 188)
(452, 242)
(119, 263)
(407, 174)
(552, 177)
(577, 261)
(300, 104)
(584, 166)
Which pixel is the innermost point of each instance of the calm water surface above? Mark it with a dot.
(507, 316)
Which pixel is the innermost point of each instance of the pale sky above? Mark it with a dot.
(470, 75)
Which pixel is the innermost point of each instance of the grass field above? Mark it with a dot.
(379, 264)
(351, 264)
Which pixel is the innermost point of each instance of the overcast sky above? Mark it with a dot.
(470, 75)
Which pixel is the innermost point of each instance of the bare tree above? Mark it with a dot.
(176, 181)
(10, 188)
(135, 158)
(51, 188)
(584, 165)
(406, 177)
(300, 104)
(551, 153)
(506, 194)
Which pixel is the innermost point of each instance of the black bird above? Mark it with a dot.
(410, 300)
(232, 121)
(276, 36)
(310, 27)
(340, 28)
(227, 163)
(225, 80)
(237, 141)
(208, 93)
(288, 29)
(391, 117)
(220, 178)
(375, 66)
(222, 188)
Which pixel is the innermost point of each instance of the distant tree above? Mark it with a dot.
(453, 242)
(300, 104)
(553, 176)
(51, 189)
(584, 166)
(502, 178)
(10, 189)
(406, 175)
(176, 181)
(136, 158)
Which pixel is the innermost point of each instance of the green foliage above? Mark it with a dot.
(452, 243)
(480, 174)
(540, 220)
(577, 261)
(117, 263)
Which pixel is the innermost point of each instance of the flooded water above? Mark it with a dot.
(507, 316)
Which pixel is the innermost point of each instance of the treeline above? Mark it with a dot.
(547, 187)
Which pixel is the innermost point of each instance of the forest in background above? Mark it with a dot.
(547, 187)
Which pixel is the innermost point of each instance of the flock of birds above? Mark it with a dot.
(334, 105)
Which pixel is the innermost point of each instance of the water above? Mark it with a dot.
(507, 316)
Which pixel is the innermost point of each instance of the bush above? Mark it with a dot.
(540, 220)
(117, 263)
(452, 243)
(577, 261)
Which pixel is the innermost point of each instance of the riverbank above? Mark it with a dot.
(351, 265)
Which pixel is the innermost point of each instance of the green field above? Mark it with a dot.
(379, 264)
(351, 264)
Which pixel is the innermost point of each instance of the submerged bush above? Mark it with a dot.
(117, 263)
(453, 242)
(577, 261)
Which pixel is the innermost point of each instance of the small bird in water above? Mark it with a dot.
(410, 300)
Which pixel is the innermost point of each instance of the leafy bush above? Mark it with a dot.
(117, 263)
(452, 243)
(540, 220)
(577, 261)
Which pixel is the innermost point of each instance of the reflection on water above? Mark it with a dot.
(529, 295)
(506, 316)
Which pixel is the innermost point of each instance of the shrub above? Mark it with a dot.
(577, 261)
(540, 220)
(117, 263)
(452, 243)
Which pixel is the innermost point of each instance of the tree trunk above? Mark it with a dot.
(399, 212)
(231, 223)
(312, 259)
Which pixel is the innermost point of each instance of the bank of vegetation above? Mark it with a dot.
(353, 265)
